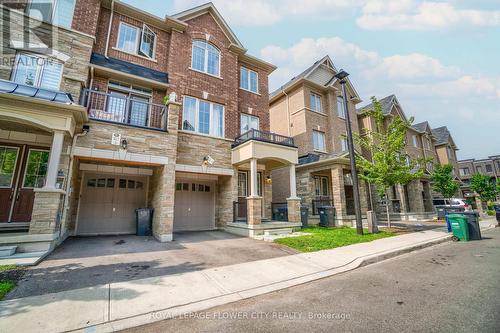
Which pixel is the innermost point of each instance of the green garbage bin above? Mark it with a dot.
(459, 227)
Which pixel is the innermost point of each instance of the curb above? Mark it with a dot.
(170, 313)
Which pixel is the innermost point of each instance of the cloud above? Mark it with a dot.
(416, 15)
(264, 13)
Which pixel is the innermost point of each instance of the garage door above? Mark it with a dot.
(194, 206)
(108, 204)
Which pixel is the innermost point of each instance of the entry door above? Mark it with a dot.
(108, 203)
(9, 157)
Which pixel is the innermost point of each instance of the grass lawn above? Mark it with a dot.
(9, 275)
(329, 238)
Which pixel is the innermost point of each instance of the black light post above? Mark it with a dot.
(342, 75)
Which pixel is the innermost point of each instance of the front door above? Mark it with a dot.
(21, 170)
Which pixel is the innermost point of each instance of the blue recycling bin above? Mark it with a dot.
(448, 224)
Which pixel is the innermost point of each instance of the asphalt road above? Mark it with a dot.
(452, 287)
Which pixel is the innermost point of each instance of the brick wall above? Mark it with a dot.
(86, 15)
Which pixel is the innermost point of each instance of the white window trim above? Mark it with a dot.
(205, 65)
(249, 116)
(312, 93)
(343, 108)
(249, 80)
(344, 139)
(320, 180)
(324, 142)
(144, 27)
(415, 141)
(138, 41)
(54, 6)
(15, 164)
(197, 115)
(39, 70)
(26, 167)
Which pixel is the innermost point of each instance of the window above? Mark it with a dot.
(248, 122)
(8, 159)
(205, 58)
(315, 102)
(489, 168)
(319, 141)
(203, 117)
(36, 168)
(408, 161)
(249, 80)
(242, 184)
(479, 169)
(321, 186)
(450, 152)
(138, 106)
(340, 107)
(415, 141)
(136, 41)
(428, 143)
(464, 171)
(37, 71)
(59, 12)
(343, 143)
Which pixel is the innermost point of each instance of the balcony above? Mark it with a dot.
(113, 108)
(263, 136)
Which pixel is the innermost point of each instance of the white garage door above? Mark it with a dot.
(108, 204)
(194, 206)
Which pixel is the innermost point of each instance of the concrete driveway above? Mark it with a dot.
(87, 261)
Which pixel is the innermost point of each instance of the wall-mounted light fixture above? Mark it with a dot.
(124, 143)
(269, 180)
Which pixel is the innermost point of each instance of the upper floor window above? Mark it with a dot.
(415, 141)
(136, 41)
(205, 58)
(319, 141)
(340, 107)
(248, 122)
(315, 102)
(37, 71)
(343, 143)
(489, 168)
(408, 161)
(450, 152)
(203, 117)
(248, 80)
(57, 12)
(464, 171)
(479, 169)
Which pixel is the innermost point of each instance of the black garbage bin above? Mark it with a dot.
(473, 225)
(327, 216)
(304, 216)
(497, 210)
(144, 221)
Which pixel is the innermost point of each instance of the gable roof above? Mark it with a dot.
(421, 127)
(304, 75)
(210, 8)
(387, 103)
(443, 136)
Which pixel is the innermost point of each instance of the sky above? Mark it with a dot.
(440, 58)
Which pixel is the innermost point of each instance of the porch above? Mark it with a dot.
(255, 154)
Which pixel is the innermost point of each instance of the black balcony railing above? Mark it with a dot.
(130, 111)
(263, 136)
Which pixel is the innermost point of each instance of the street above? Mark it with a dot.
(452, 287)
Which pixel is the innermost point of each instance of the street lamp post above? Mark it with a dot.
(341, 76)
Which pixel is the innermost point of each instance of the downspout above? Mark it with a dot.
(70, 176)
(287, 111)
(109, 29)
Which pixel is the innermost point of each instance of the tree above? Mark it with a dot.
(485, 189)
(385, 167)
(443, 181)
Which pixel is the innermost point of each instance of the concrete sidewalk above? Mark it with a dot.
(128, 304)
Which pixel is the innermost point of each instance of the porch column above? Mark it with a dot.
(54, 159)
(293, 183)
(254, 202)
(253, 177)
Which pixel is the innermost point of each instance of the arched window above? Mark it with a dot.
(205, 58)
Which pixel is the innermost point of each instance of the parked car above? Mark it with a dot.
(453, 204)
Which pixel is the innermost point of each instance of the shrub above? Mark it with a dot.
(490, 212)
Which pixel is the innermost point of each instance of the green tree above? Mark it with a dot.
(482, 185)
(386, 166)
(443, 181)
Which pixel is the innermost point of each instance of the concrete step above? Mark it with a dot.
(24, 259)
(278, 232)
(7, 251)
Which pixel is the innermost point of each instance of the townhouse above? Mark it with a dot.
(310, 108)
(413, 200)
(467, 168)
(446, 149)
(117, 109)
